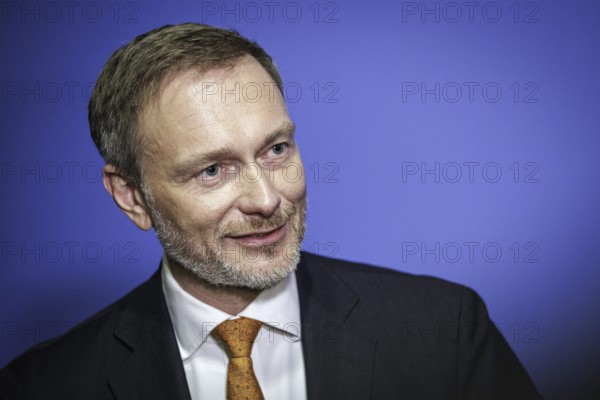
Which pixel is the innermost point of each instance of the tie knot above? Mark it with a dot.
(238, 335)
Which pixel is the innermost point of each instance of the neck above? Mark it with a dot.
(231, 300)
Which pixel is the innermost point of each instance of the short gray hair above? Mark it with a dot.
(133, 74)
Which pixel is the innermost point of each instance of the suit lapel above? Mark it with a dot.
(153, 370)
(338, 352)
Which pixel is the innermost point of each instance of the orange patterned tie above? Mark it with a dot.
(238, 336)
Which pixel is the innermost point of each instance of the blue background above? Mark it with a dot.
(388, 130)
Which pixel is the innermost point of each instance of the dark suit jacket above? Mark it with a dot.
(367, 333)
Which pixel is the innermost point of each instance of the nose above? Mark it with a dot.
(258, 194)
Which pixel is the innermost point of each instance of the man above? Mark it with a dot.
(193, 126)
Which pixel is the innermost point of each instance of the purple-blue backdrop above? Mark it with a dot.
(458, 139)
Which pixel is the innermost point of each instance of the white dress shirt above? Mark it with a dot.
(276, 354)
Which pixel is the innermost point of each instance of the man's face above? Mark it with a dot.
(223, 177)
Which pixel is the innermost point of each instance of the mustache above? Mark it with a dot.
(258, 223)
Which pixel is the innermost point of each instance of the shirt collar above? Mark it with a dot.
(193, 320)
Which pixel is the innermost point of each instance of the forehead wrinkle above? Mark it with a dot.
(186, 122)
(186, 85)
(179, 120)
(228, 150)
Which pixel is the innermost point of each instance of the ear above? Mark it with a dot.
(127, 196)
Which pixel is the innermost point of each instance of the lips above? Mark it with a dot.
(261, 238)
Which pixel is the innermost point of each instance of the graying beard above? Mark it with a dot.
(210, 267)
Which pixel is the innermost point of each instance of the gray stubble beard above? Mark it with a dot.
(207, 261)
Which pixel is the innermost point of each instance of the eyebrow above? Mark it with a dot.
(186, 168)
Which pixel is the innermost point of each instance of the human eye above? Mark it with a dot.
(279, 148)
(210, 174)
(211, 170)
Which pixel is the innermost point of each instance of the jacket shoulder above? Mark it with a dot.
(88, 351)
(358, 276)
